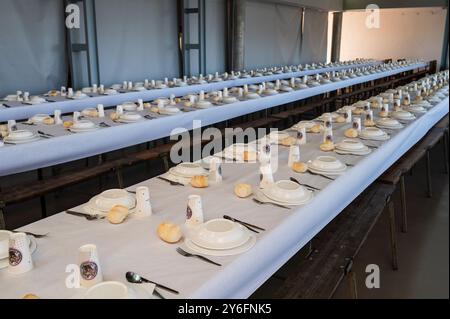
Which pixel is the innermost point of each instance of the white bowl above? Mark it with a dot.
(131, 117)
(39, 118)
(188, 170)
(169, 110)
(403, 115)
(108, 290)
(113, 197)
(285, 191)
(327, 163)
(372, 132)
(203, 104)
(219, 234)
(388, 122)
(351, 145)
(252, 95)
(277, 136)
(229, 100)
(21, 135)
(83, 125)
(129, 106)
(110, 92)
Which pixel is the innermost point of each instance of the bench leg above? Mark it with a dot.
(390, 206)
(403, 204)
(428, 163)
(42, 198)
(166, 162)
(353, 288)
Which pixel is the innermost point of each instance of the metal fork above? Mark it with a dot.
(270, 203)
(186, 254)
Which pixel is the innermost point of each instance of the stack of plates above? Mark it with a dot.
(36, 100)
(110, 92)
(164, 101)
(353, 147)
(374, 134)
(327, 165)
(129, 106)
(220, 237)
(21, 137)
(102, 204)
(286, 193)
(130, 117)
(277, 136)
(38, 118)
(170, 110)
(188, 170)
(203, 104)
(252, 95)
(4, 260)
(389, 123)
(83, 126)
(417, 108)
(423, 103)
(403, 115)
(79, 96)
(236, 151)
(229, 100)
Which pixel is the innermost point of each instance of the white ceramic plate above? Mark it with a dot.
(221, 253)
(244, 236)
(260, 195)
(294, 202)
(135, 291)
(367, 151)
(34, 139)
(74, 130)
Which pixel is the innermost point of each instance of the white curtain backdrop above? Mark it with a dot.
(314, 45)
(32, 47)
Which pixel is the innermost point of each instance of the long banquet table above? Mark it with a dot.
(26, 111)
(67, 147)
(135, 246)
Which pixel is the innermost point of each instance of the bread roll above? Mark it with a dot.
(147, 105)
(199, 181)
(316, 128)
(249, 156)
(114, 116)
(340, 119)
(48, 121)
(67, 124)
(351, 133)
(327, 146)
(357, 111)
(243, 190)
(30, 297)
(369, 123)
(169, 233)
(154, 109)
(117, 214)
(383, 114)
(288, 141)
(300, 167)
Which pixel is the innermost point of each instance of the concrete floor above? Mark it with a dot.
(423, 251)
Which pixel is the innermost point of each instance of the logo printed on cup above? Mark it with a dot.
(15, 257)
(88, 270)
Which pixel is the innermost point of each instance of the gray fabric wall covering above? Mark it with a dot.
(137, 39)
(272, 34)
(314, 46)
(215, 36)
(32, 47)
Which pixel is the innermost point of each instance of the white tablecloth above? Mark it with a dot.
(62, 149)
(135, 246)
(67, 106)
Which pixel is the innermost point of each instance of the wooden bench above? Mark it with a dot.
(335, 247)
(396, 173)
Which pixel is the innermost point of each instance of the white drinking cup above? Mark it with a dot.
(348, 116)
(266, 175)
(143, 205)
(101, 110)
(119, 110)
(12, 126)
(301, 136)
(294, 155)
(57, 117)
(140, 105)
(89, 264)
(357, 124)
(76, 116)
(215, 171)
(328, 136)
(4, 244)
(194, 211)
(20, 260)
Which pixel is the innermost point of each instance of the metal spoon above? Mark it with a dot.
(134, 278)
